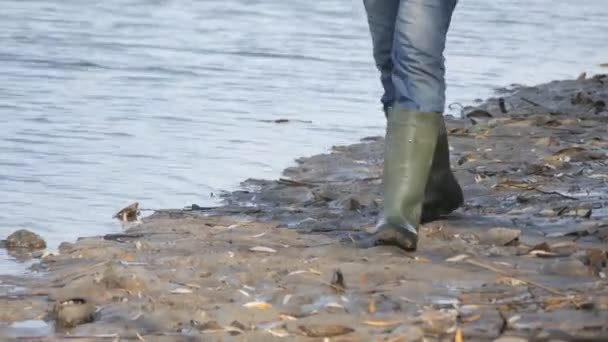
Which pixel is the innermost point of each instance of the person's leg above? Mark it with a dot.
(381, 16)
(418, 63)
(415, 120)
(419, 78)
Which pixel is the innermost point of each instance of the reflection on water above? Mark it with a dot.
(166, 102)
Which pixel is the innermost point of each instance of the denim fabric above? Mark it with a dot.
(408, 38)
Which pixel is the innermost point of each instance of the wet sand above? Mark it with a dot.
(525, 257)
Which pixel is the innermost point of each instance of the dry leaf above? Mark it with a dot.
(211, 326)
(575, 154)
(334, 305)
(542, 250)
(313, 271)
(596, 260)
(469, 157)
(181, 291)
(322, 330)
(511, 281)
(262, 249)
(546, 141)
(382, 323)
(278, 332)
(457, 258)
(458, 336)
(598, 176)
(540, 247)
(470, 319)
(371, 307)
(578, 212)
(458, 131)
(438, 322)
(480, 178)
(511, 184)
(543, 254)
(258, 305)
(557, 303)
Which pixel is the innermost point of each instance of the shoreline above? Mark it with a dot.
(525, 256)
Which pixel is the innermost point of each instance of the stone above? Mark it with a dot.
(73, 312)
(567, 267)
(407, 333)
(500, 236)
(25, 239)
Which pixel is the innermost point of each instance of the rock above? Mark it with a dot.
(307, 223)
(25, 239)
(438, 322)
(568, 267)
(407, 333)
(325, 330)
(113, 279)
(73, 312)
(354, 202)
(65, 247)
(596, 259)
(500, 236)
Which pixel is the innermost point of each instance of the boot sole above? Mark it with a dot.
(389, 235)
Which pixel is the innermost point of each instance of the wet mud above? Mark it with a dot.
(523, 260)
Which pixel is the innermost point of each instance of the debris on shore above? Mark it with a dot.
(523, 260)
(24, 240)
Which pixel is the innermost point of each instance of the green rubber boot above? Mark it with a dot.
(410, 142)
(443, 194)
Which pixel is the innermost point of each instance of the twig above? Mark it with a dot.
(551, 110)
(532, 102)
(555, 193)
(505, 273)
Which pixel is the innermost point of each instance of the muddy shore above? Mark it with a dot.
(524, 259)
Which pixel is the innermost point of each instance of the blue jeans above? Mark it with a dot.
(408, 39)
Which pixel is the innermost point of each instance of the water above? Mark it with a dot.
(159, 101)
(28, 329)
